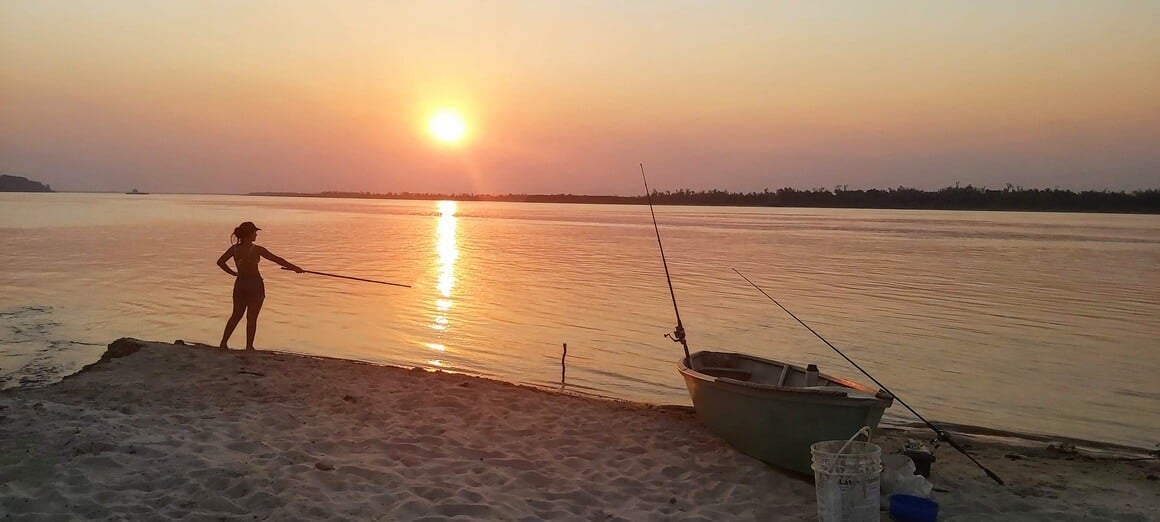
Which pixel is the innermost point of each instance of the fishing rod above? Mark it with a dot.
(678, 335)
(942, 435)
(349, 277)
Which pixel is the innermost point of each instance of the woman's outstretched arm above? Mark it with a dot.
(270, 255)
(221, 262)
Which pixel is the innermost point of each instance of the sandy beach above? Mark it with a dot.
(183, 431)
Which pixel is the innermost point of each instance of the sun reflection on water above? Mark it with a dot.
(446, 248)
(448, 252)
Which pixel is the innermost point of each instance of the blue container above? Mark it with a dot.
(909, 508)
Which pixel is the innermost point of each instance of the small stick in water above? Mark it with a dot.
(562, 367)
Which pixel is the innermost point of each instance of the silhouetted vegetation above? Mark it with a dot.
(21, 184)
(949, 198)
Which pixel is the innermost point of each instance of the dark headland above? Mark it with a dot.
(21, 184)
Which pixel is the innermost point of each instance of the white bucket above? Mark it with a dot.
(847, 475)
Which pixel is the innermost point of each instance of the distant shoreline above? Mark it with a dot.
(950, 198)
(966, 199)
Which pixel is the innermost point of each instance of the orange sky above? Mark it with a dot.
(224, 96)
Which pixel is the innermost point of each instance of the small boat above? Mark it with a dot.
(136, 193)
(773, 411)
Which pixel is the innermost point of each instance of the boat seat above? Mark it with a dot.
(850, 392)
(727, 373)
(784, 374)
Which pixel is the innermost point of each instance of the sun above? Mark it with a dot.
(447, 126)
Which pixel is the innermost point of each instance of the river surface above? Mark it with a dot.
(1043, 323)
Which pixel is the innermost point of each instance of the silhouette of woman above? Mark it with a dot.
(249, 290)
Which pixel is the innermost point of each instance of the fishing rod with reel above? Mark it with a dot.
(678, 335)
(942, 435)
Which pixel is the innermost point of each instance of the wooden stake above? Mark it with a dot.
(562, 367)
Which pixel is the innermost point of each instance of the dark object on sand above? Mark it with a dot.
(122, 347)
(922, 461)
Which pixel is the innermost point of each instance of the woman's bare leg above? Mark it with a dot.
(232, 322)
(252, 312)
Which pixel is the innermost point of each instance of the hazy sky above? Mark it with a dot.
(239, 96)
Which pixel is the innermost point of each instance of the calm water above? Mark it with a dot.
(1034, 322)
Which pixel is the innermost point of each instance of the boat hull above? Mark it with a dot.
(778, 424)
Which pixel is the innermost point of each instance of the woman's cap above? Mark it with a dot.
(249, 225)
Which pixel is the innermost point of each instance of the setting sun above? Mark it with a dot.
(447, 126)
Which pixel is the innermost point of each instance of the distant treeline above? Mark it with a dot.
(21, 184)
(949, 198)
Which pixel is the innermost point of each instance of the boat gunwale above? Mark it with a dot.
(878, 396)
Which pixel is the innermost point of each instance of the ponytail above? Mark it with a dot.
(247, 228)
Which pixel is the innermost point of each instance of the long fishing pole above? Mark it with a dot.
(349, 277)
(942, 435)
(678, 334)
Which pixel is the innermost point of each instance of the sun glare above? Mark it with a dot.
(447, 126)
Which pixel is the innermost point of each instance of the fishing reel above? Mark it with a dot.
(678, 335)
